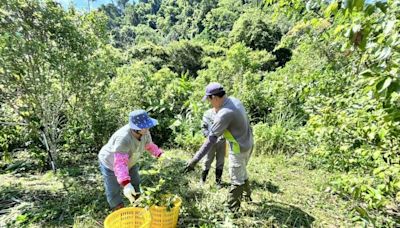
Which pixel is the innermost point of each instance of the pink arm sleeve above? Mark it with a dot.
(154, 150)
(121, 169)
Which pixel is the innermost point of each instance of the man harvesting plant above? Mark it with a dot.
(118, 158)
(232, 122)
(217, 151)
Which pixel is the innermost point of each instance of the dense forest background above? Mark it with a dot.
(320, 79)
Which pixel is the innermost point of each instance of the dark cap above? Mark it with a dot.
(212, 89)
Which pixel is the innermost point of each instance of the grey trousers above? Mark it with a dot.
(218, 152)
(238, 166)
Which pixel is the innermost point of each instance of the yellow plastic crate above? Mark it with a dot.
(128, 217)
(160, 217)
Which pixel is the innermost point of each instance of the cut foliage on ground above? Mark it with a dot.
(285, 194)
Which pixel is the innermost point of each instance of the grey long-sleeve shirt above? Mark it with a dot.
(232, 122)
(208, 120)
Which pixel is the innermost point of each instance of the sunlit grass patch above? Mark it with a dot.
(285, 194)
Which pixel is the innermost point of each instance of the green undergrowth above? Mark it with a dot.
(285, 194)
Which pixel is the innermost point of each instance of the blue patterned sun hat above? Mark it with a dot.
(139, 119)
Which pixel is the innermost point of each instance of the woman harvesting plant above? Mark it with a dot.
(119, 158)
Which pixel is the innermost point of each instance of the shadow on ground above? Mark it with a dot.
(275, 214)
(266, 186)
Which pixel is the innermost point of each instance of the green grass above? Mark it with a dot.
(285, 194)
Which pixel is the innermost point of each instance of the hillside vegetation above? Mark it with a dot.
(319, 79)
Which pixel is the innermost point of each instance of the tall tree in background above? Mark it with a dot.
(255, 31)
(122, 3)
(219, 22)
(46, 63)
(88, 3)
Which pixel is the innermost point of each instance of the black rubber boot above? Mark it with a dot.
(247, 191)
(204, 176)
(218, 177)
(234, 196)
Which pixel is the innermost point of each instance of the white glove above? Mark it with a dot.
(129, 192)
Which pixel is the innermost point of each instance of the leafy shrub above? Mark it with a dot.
(255, 31)
(162, 182)
(149, 53)
(184, 57)
(281, 134)
(12, 132)
(240, 74)
(353, 142)
(187, 132)
(219, 22)
(162, 93)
